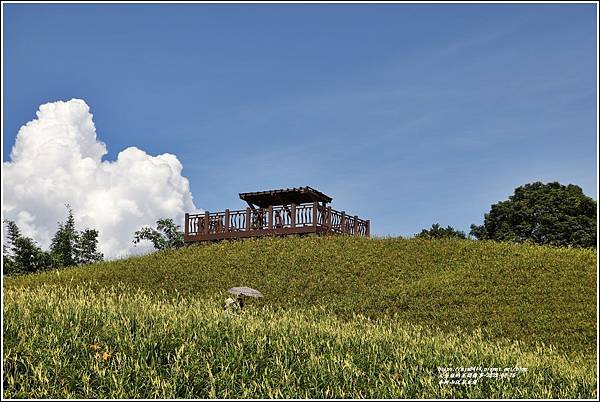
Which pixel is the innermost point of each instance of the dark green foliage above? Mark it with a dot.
(167, 235)
(8, 248)
(70, 247)
(551, 214)
(87, 247)
(12, 232)
(438, 232)
(29, 257)
(64, 243)
(21, 254)
(8, 264)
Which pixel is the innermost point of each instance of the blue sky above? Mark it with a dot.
(405, 114)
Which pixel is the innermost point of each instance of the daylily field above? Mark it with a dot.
(340, 317)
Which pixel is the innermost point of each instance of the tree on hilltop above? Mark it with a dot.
(551, 214)
(438, 232)
(71, 247)
(64, 242)
(167, 235)
(21, 254)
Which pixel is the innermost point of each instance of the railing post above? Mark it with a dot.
(368, 228)
(227, 220)
(355, 225)
(293, 217)
(315, 213)
(270, 218)
(247, 218)
(206, 222)
(329, 218)
(343, 222)
(186, 226)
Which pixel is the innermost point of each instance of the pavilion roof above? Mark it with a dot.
(284, 196)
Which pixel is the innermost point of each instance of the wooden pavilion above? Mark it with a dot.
(282, 212)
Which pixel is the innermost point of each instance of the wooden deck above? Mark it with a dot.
(281, 220)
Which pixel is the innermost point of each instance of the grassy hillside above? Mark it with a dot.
(341, 317)
(65, 343)
(518, 292)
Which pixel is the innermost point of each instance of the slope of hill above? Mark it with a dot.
(527, 293)
(71, 343)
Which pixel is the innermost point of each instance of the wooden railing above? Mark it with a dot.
(275, 220)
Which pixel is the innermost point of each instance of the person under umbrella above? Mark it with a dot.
(242, 292)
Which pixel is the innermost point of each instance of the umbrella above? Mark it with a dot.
(246, 291)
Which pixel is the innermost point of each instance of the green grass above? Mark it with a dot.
(65, 343)
(544, 298)
(521, 292)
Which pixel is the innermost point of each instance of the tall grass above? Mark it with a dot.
(118, 343)
(519, 292)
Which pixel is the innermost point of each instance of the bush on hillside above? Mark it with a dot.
(438, 232)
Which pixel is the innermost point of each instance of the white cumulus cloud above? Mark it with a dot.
(57, 159)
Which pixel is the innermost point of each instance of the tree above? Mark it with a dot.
(70, 247)
(438, 232)
(9, 265)
(9, 248)
(166, 235)
(29, 257)
(64, 243)
(87, 245)
(551, 214)
(21, 254)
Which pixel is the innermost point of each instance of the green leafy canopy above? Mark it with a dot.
(550, 214)
(69, 247)
(438, 232)
(167, 235)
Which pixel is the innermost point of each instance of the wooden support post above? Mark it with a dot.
(227, 219)
(247, 218)
(293, 217)
(270, 218)
(186, 226)
(328, 218)
(355, 225)
(206, 222)
(343, 222)
(368, 228)
(315, 212)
